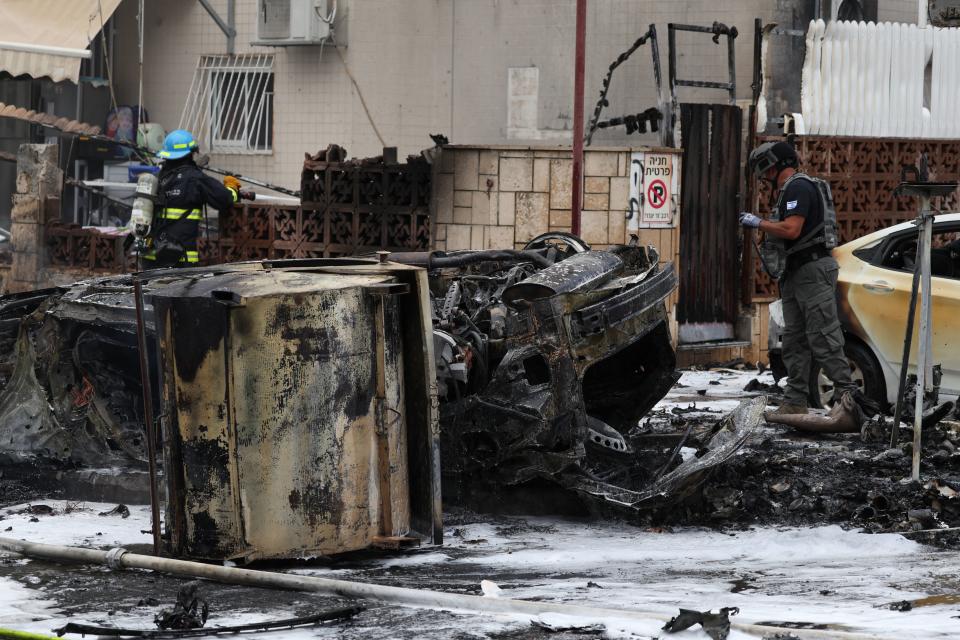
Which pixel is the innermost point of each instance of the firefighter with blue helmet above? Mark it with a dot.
(184, 189)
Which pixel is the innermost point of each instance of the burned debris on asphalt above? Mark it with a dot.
(548, 362)
(715, 625)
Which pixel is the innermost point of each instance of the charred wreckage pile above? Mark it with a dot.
(513, 381)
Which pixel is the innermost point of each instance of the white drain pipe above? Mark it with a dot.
(122, 559)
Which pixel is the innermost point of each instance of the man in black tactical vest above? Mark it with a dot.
(797, 252)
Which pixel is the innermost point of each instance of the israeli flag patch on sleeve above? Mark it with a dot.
(791, 205)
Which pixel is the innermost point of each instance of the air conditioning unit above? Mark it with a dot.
(284, 23)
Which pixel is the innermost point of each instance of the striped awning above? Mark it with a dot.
(49, 38)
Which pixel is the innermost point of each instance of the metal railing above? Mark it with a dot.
(229, 107)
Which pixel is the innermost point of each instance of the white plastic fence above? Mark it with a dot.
(881, 80)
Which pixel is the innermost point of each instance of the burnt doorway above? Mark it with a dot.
(709, 234)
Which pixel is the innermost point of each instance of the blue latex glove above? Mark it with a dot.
(749, 220)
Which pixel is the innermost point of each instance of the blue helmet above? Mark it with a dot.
(177, 144)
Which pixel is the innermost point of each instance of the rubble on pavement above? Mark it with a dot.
(790, 478)
(513, 437)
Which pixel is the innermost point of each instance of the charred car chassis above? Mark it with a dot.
(544, 366)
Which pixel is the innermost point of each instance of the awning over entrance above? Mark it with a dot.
(49, 38)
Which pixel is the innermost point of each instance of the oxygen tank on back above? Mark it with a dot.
(142, 215)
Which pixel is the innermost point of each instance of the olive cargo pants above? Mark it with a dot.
(812, 329)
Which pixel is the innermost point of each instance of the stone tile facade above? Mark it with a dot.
(503, 196)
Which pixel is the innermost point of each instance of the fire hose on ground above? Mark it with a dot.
(119, 558)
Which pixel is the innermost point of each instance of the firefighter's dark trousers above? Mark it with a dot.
(812, 329)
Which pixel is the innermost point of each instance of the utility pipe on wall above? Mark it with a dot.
(579, 58)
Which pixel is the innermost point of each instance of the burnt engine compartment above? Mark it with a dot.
(546, 361)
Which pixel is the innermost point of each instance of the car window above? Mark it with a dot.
(870, 252)
(901, 253)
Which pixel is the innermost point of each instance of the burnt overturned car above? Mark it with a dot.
(537, 365)
(546, 359)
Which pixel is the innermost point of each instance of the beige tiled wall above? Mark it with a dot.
(503, 196)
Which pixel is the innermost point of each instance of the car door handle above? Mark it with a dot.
(878, 286)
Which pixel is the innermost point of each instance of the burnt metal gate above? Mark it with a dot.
(709, 233)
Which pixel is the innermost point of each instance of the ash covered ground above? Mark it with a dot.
(799, 532)
(786, 477)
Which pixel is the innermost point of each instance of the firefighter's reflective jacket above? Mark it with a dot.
(183, 192)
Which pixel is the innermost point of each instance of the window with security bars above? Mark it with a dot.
(230, 105)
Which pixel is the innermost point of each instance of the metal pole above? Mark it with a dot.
(232, 23)
(13, 634)
(46, 50)
(148, 413)
(579, 63)
(670, 118)
(750, 201)
(732, 68)
(140, 23)
(907, 341)
(923, 360)
(226, 28)
(658, 78)
(253, 181)
(655, 56)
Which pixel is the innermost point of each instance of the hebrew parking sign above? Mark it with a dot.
(651, 190)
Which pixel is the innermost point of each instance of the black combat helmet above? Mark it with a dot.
(772, 154)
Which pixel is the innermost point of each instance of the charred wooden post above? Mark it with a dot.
(148, 416)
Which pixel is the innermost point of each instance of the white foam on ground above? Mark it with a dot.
(717, 399)
(81, 526)
(819, 575)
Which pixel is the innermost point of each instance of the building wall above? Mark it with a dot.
(502, 196)
(906, 11)
(398, 53)
(443, 66)
(479, 71)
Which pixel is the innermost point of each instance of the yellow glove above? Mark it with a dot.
(231, 183)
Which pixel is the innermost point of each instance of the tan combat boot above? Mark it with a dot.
(787, 409)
